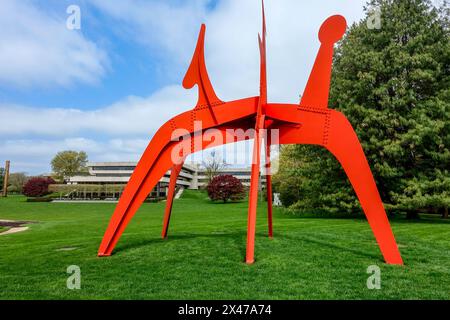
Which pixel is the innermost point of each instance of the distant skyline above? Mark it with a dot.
(107, 87)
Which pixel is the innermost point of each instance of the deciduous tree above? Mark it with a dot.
(16, 181)
(213, 164)
(69, 163)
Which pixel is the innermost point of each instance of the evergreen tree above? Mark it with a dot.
(393, 84)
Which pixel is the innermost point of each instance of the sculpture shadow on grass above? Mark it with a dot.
(238, 239)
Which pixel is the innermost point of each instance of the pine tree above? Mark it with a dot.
(393, 84)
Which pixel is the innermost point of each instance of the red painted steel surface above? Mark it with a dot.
(310, 122)
(175, 171)
(269, 188)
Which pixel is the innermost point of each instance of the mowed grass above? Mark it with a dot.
(203, 258)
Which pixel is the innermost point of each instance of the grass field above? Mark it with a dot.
(309, 258)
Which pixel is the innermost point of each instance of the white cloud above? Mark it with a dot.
(36, 49)
(132, 116)
(163, 26)
(292, 44)
(231, 56)
(34, 155)
(231, 43)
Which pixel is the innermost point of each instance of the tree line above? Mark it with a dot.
(64, 164)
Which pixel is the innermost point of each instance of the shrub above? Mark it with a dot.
(37, 187)
(40, 199)
(224, 188)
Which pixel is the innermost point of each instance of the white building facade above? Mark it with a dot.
(191, 176)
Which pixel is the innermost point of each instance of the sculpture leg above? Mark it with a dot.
(345, 146)
(175, 171)
(269, 187)
(253, 197)
(333, 131)
(154, 163)
(127, 207)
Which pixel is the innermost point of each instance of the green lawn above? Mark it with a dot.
(309, 258)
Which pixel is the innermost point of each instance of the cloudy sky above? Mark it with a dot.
(107, 87)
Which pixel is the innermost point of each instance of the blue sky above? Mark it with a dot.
(107, 87)
(144, 69)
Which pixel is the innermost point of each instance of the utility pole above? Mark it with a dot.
(5, 180)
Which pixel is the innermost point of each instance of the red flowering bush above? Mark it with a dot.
(225, 187)
(37, 187)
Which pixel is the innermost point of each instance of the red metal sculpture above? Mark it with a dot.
(309, 122)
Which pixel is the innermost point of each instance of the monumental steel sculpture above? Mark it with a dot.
(309, 122)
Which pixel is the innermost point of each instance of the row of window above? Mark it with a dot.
(117, 168)
(131, 168)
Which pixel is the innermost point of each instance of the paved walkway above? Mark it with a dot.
(85, 201)
(13, 230)
(16, 226)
